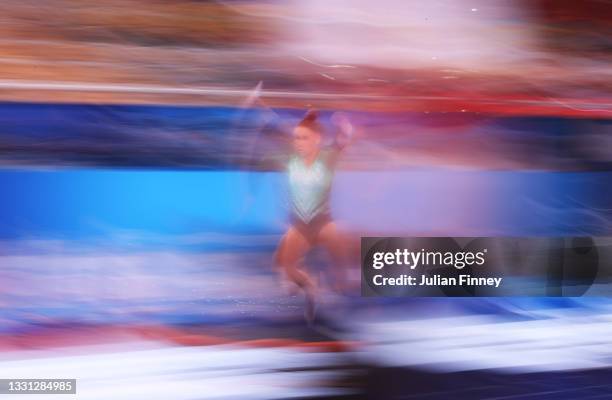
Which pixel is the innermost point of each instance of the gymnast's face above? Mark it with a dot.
(306, 141)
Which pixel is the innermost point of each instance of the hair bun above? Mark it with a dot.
(311, 116)
(311, 121)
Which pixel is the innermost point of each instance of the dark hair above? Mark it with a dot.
(311, 121)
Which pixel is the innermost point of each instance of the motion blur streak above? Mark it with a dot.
(138, 230)
(508, 57)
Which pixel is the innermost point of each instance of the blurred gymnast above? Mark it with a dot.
(310, 171)
(309, 166)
